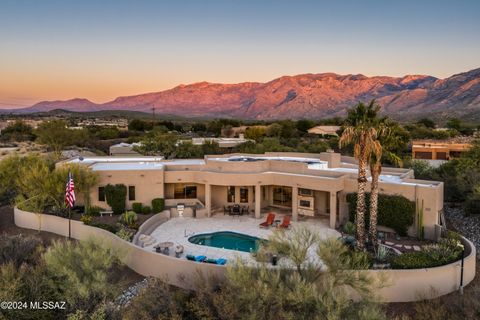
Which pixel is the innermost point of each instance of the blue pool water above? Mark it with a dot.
(227, 240)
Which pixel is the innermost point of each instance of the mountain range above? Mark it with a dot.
(301, 96)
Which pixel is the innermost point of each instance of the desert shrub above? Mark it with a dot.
(29, 283)
(445, 251)
(125, 234)
(94, 210)
(128, 218)
(86, 219)
(116, 196)
(137, 207)
(279, 293)
(472, 204)
(86, 286)
(105, 226)
(158, 204)
(159, 301)
(349, 228)
(146, 210)
(19, 249)
(394, 211)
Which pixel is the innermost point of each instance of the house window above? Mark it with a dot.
(131, 193)
(230, 194)
(182, 191)
(282, 196)
(101, 194)
(190, 192)
(243, 194)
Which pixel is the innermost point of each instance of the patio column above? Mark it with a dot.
(333, 210)
(294, 203)
(208, 199)
(258, 199)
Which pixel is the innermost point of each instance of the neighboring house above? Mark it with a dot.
(312, 186)
(222, 142)
(442, 150)
(325, 130)
(123, 149)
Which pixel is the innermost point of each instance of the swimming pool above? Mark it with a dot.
(227, 240)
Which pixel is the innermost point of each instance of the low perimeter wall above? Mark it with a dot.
(405, 285)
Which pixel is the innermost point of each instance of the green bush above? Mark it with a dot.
(116, 196)
(445, 251)
(86, 219)
(349, 228)
(158, 204)
(146, 210)
(472, 204)
(128, 218)
(394, 211)
(137, 207)
(18, 249)
(106, 226)
(94, 210)
(125, 234)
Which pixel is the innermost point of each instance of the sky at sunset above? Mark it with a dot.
(99, 50)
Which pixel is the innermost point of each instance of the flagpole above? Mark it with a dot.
(69, 222)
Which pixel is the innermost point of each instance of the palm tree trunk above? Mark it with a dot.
(375, 170)
(361, 207)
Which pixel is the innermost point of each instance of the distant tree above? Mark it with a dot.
(199, 127)
(159, 143)
(255, 133)
(429, 123)
(215, 127)
(140, 125)
(186, 150)
(227, 131)
(454, 123)
(274, 130)
(303, 125)
(17, 131)
(54, 134)
(107, 133)
(210, 148)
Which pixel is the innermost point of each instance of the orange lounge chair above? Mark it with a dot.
(269, 221)
(285, 223)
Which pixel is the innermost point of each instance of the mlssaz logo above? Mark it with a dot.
(47, 305)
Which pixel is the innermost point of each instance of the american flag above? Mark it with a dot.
(69, 191)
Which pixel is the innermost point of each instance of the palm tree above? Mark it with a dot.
(360, 129)
(390, 137)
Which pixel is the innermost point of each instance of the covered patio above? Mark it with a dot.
(300, 203)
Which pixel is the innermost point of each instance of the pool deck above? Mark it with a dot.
(178, 230)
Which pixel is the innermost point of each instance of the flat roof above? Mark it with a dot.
(122, 166)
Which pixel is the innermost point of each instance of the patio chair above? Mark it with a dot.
(221, 261)
(244, 210)
(269, 221)
(178, 250)
(285, 223)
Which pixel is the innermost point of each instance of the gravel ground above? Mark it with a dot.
(469, 226)
(131, 292)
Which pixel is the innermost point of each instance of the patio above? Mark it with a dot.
(178, 230)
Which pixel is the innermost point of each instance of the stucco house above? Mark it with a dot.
(309, 186)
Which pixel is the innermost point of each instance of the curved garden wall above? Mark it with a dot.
(405, 285)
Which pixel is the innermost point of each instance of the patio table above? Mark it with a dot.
(164, 247)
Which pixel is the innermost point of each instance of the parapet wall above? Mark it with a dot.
(405, 285)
